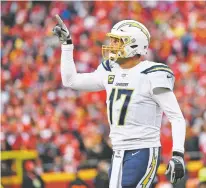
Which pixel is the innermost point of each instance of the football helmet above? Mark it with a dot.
(133, 39)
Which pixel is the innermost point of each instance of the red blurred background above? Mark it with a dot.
(69, 129)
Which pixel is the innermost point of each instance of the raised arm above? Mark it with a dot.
(78, 81)
(70, 78)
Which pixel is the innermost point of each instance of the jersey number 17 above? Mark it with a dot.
(120, 92)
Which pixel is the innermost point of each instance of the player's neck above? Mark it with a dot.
(129, 63)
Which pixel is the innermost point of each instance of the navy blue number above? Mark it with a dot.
(123, 111)
(111, 99)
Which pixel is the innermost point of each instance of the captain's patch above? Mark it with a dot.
(111, 79)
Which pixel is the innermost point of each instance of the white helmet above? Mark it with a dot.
(135, 40)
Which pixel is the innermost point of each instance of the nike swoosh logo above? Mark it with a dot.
(169, 76)
(135, 153)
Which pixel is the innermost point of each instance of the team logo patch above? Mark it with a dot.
(111, 79)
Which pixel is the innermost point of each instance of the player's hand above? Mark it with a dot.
(61, 31)
(175, 169)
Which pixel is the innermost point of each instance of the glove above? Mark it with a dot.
(176, 168)
(61, 31)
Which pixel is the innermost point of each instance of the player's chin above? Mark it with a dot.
(112, 56)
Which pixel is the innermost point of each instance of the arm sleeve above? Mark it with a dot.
(78, 81)
(168, 102)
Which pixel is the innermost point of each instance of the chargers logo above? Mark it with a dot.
(111, 79)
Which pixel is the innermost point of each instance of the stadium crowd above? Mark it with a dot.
(69, 128)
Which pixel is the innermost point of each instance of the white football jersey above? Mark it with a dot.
(133, 114)
(133, 110)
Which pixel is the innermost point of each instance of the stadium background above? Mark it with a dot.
(65, 132)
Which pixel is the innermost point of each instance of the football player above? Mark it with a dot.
(138, 92)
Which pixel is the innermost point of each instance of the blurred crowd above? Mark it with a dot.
(70, 128)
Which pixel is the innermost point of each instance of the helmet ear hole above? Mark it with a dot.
(124, 40)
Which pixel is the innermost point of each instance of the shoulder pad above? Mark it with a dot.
(155, 68)
(106, 65)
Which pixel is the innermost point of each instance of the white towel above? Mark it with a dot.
(116, 174)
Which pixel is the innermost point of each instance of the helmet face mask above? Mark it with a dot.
(134, 39)
(114, 50)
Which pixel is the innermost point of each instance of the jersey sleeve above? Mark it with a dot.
(79, 81)
(168, 103)
(160, 76)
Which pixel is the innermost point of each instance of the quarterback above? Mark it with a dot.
(138, 92)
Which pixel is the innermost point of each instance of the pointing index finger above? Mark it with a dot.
(59, 20)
